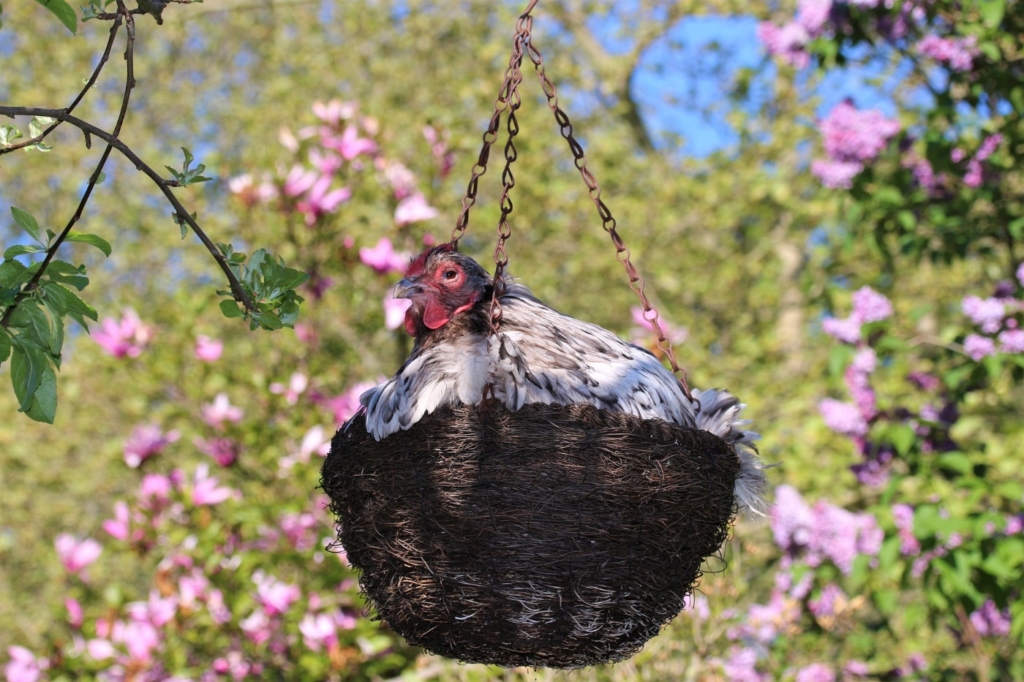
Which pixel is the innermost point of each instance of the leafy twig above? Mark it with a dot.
(165, 187)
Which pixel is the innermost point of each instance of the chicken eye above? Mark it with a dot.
(450, 274)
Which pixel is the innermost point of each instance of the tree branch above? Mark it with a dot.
(92, 80)
(236, 287)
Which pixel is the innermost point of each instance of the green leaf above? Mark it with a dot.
(83, 238)
(27, 222)
(992, 11)
(268, 321)
(902, 438)
(8, 134)
(62, 11)
(956, 461)
(5, 345)
(66, 273)
(32, 324)
(230, 308)
(44, 403)
(75, 307)
(27, 365)
(22, 249)
(188, 158)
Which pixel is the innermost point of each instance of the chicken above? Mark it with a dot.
(538, 356)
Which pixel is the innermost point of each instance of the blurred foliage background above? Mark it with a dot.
(742, 246)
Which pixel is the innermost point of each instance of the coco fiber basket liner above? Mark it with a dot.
(557, 536)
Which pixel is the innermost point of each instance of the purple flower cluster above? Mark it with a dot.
(789, 41)
(851, 138)
(868, 306)
(998, 318)
(903, 518)
(958, 53)
(816, 672)
(990, 621)
(824, 531)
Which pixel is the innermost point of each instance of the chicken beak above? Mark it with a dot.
(407, 288)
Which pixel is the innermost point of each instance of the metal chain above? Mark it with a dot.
(509, 98)
(636, 282)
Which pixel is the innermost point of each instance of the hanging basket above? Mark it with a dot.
(557, 536)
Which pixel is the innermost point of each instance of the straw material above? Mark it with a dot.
(556, 536)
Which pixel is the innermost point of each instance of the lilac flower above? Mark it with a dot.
(987, 313)
(221, 410)
(413, 209)
(383, 258)
(297, 385)
(788, 42)
(764, 622)
(125, 337)
(870, 306)
(988, 147)
(23, 666)
(856, 136)
(816, 672)
(858, 668)
(903, 518)
(792, 520)
(394, 311)
(926, 382)
(864, 361)
(812, 15)
(978, 347)
(1020, 274)
(742, 666)
(76, 554)
(207, 349)
(145, 441)
(318, 631)
(1011, 341)
(831, 602)
(846, 330)
(319, 202)
(1014, 524)
(958, 53)
(843, 417)
(274, 595)
(205, 490)
(118, 527)
(989, 621)
(224, 451)
(836, 174)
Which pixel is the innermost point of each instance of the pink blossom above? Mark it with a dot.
(316, 441)
(100, 649)
(23, 666)
(344, 619)
(207, 349)
(154, 490)
(328, 164)
(157, 610)
(319, 202)
(958, 53)
(139, 638)
(989, 621)
(224, 451)
(788, 42)
(350, 144)
(870, 306)
(274, 595)
(1020, 274)
(383, 258)
(125, 337)
(673, 333)
(439, 149)
(816, 672)
(305, 333)
(298, 181)
(334, 111)
(865, 361)
(119, 527)
(903, 518)
(221, 410)
(75, 615)
(1011, 341)
(846, 330)
(843, 417)
(205, 490)
(76, 554)
(859, 668)
(297, 385)
(978, 347)
(401, 179)
(248, 192)
(394, 311)
(413, 209)
(145, 441)
(347, 404)
(300, 529)
(318, 631)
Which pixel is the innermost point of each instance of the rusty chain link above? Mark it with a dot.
(509, 98)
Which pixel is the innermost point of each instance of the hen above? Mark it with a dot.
(538, 356)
